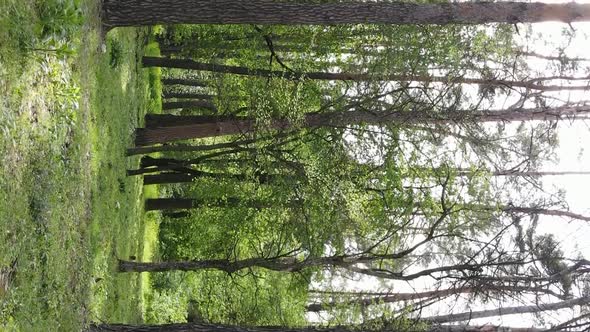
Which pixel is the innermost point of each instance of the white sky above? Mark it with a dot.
(574, 136)
(573, 155)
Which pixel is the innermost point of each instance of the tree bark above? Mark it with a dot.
(535, 210)
(188, 148)
(294, 264)
(155, 204)
(171, 105)
(276, 264)
(236, 144)
(186, 95)
(329, 76)
(176, 215)
(169, 120)
(149, 136)
(166, 178)
(204, 327)
(560, 58)
(121, 13)
(181, 81)
(540, 307)
(531, 173)
(186, 177)
(168, 204)
(483, 328)
(398, 297)
(148, 161)
(502, 172)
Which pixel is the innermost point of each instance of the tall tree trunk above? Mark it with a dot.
(176, 215)
(535, 210)
(166, 178)
(188, 148)
(140, 13)
(502, 172)
(533, 84)
(484, 328)
(520, 209)
(148, 161)
(182, 81)
(204, 327)
(171, 105)
(540, 307)
(531, 173)
(237, 144)
(294, 264)
(274, 264)
(187, 95)
(169, 120)
(154, 204)
(398, 297)
(148, 136)
(560, 58)
(186, 177)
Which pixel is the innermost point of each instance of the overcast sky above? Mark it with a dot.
(573, 155)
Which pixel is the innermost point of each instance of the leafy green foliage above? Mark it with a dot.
(256, 297)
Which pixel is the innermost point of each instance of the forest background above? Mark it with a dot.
(299, 169)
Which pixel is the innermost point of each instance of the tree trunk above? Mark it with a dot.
(540, 307)
(186, 95)
(169, 204)
(191, 64)
(148, 161)
(169, 120)
(532, 210)
(148, 136)
(154, 204)
(121, 13)
(188, 148)
(171, 105)
(294, 264)
(547, 212)
(165, 178)
(532, 173)
(237, 144)
(398, 297)
(502, 172)
(560, 58)
(482, 328)
(176, 215)
(186, 177)
(181, 81)
(204, 327)
(276, 264)
(519, 209)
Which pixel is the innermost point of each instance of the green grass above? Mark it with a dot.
(69, 102)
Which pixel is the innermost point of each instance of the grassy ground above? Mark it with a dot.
(69, 101)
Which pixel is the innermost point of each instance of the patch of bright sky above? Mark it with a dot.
(572, 154)
(574, 136)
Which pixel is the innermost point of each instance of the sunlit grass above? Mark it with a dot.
(68, 108)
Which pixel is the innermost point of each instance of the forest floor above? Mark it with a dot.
(69, 102)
